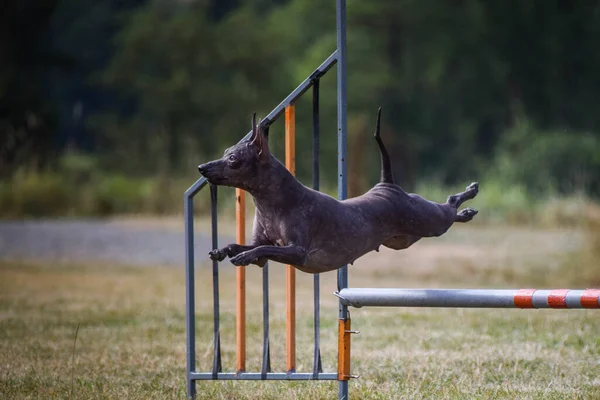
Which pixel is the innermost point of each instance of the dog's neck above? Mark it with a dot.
(276, 188)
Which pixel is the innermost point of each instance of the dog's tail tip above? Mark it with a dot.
(377, 127)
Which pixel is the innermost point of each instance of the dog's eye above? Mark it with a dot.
(232, 158)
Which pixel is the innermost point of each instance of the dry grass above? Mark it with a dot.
(131, 337)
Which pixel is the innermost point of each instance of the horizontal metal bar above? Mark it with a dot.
(469, 298)
(270, 376)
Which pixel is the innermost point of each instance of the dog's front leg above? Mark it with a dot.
(290, 254)
(231, 250)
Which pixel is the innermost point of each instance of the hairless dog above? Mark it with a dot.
(313, 231)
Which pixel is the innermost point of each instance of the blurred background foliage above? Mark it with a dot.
(108, 106)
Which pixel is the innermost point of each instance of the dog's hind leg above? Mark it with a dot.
(456, 200)
(386, 166)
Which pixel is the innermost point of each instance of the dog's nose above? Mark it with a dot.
(202, 168)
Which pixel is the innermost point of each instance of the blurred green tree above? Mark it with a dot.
(27, 118)
(180, 80)
(188, 77)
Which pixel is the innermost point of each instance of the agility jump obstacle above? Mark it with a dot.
(348, 297)
(286, 107)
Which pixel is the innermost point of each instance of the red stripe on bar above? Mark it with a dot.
(589, 298)
(558, 298)
(524, 298)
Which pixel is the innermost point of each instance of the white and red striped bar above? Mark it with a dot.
(470, 298)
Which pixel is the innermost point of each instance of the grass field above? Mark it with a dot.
(101, 331)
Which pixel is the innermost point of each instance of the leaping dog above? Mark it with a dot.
(313, 231)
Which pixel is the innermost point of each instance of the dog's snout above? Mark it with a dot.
(202, 168)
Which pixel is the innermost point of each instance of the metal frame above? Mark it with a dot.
(339, 57)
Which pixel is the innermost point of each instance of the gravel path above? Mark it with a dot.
(98, 241)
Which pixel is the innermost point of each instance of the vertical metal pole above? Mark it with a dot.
(342, 166)
(190, 322)
(266, 357)
(240, 217)
(316, 132)
(317, 366)
(290, 271)
(217, 366)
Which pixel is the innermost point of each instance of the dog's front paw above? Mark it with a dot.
(245, 258)
(218, 254)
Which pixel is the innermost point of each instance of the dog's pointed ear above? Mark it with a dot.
(260, 141)
(253, 136)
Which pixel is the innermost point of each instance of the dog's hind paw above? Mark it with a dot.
(465, 215)
(473, 187)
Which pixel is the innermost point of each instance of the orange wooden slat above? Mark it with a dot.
(344, 349)
(240, 219)
(290, 271)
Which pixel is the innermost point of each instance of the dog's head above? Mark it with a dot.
(240, 164)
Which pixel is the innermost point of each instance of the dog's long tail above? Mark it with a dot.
(386, 166)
